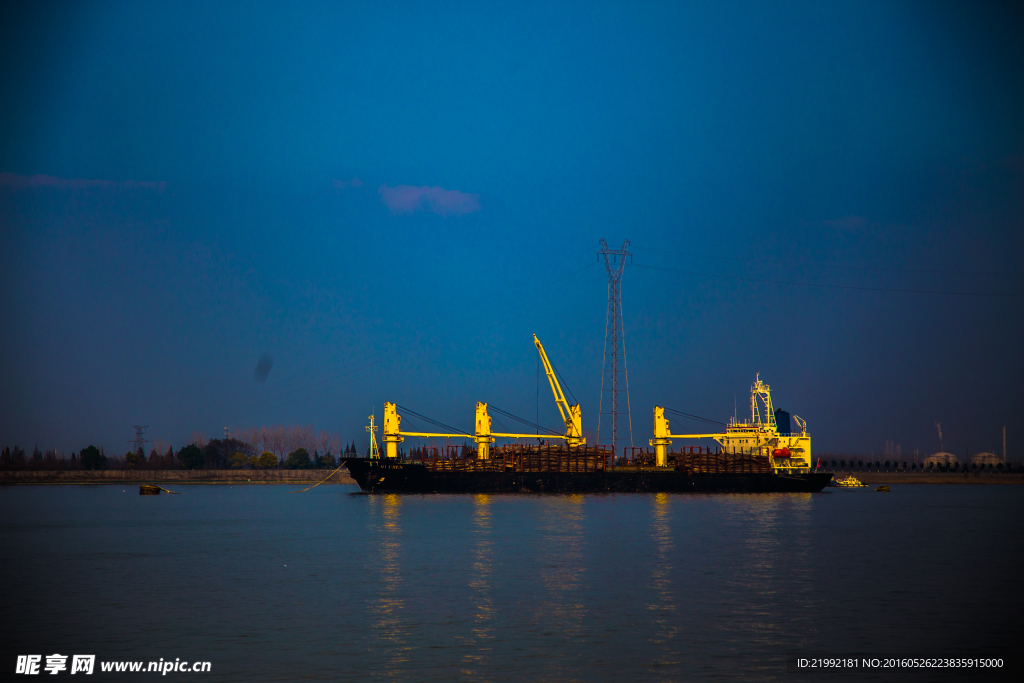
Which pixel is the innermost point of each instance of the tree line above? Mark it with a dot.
(265, 447)
(855, 462)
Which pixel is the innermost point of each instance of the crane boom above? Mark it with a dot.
(802, 424)
(571, 414)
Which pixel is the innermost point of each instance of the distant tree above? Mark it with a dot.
(299, 459)
(36, 463)
(219, 452)
(327, 461)
(133, 461)
(239, 461)
(887, 464)
(92, 459)
(214, 455)
(860, 463)
(191, 457)
(266, 461)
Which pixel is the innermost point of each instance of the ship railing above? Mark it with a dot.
(721, 463)
(518, 458)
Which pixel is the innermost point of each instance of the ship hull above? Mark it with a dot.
(383, 476)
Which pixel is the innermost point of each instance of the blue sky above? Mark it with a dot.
(389, 199)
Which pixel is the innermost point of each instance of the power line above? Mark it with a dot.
(824, 286)
(358, 363)
(824, 265)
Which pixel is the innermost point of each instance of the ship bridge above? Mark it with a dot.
(789, 452)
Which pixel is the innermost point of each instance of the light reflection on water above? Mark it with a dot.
(662, 609)
(387, 606)
(478, 647)
(560, 608)
(778, 543)
(333, 586)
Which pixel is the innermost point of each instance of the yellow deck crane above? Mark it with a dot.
(570, 414)
(663, 437)
(801, 424)
(483, 436)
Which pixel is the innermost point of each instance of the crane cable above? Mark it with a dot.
(564, 383)
(695, 417)
(410, 411)
(522, 420)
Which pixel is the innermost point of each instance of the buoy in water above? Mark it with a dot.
(147, 490)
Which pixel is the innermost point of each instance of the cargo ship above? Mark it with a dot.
(759, 455)
(562, 470)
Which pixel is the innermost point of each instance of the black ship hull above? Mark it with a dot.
(387, 476)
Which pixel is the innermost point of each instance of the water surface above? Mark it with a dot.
(335, 585)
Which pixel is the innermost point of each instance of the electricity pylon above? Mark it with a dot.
(614, 362)
(140, 439)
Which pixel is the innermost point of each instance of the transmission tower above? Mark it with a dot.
(140, 439)
(614, 362)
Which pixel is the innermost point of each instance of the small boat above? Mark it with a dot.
(151, 490)
(882, 488)
(850, 482)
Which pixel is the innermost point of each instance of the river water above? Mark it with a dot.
(335, 585)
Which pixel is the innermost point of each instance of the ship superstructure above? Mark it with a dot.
(788, 452)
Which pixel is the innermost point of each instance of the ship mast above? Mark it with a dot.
(372, 428)
(760, 390)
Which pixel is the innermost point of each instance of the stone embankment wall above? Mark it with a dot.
(175, 477)
(936, 477)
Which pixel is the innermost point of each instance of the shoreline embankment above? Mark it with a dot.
(174, 477)
(343, 477)
(883, 477)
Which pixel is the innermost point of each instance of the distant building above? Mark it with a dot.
(986, 459)
(940, 460)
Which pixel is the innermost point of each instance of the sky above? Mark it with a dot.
(238, 214)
